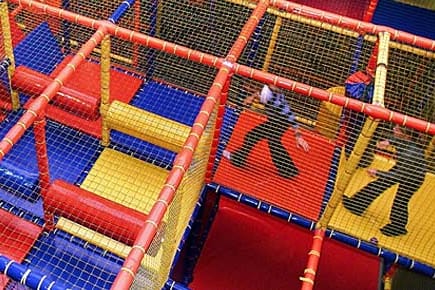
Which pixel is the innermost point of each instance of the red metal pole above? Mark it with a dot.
(247, 30)
(37, 107)
(233, 56)
(368, 15)
(313, 260)
(182, 162)
(371, 110)
(44, 173)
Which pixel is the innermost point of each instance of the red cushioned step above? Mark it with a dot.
(33, 83)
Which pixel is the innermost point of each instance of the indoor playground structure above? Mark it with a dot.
(121, 121)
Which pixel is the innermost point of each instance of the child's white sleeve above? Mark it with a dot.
(265, 95)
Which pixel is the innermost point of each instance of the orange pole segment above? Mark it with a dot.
(313, 260)
(247, 30)
(37, 107)
(126, 276)
(44, 173)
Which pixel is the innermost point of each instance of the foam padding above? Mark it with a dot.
(166, 101)
(73, 262)
(421, 227)
(33, 83)
(126, 180)
(42, 57)
(147, 126)
(86, 80)
(95, 212)
(260, 179)
(17, 237)
(249, 250)
(19, 171)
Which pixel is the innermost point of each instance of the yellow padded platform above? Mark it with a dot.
(147, 126)
(419, 241)
(125, 180)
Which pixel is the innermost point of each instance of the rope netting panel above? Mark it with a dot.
(117, 119)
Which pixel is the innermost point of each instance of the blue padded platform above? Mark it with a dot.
(165, 101)
(73, 262)
(39, 50)
(69, 153)
(405, 17)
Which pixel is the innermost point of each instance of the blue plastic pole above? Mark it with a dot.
(121, 10)
(26, 276)
(66, 27)
(331, 179)
(151, 55)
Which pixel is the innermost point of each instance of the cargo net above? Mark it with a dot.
(108, 152)
(77, 188)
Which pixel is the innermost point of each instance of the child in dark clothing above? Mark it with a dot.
(409, 172)
(279, 119)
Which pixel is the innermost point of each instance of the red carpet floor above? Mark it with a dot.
(247, 249)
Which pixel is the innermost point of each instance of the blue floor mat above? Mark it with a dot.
(165, 101)
(73, 262)
(69, 153)
(42, 57)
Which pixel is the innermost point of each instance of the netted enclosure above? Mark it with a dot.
(116, 114)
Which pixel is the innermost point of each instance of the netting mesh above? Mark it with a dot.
(111, 119)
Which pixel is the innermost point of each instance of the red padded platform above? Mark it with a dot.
(16, 238)
(249, 250)
(86, 80)
(259, 178)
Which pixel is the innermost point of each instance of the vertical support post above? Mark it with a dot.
(367, 131)
(272, 43)
(218, 127)
(151, 54)
(430, 148)
(136, 16)
(313, 260)
(44, 173)
(105, 89)
(368, 15)
(9, 50)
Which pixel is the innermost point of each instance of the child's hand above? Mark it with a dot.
(301, 143)
(383, 144)
(248, 100)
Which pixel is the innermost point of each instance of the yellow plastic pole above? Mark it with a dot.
(272, 43)
(430, 148)
(9, 50)
(381, 69)
(367, 132)
(105, 89)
